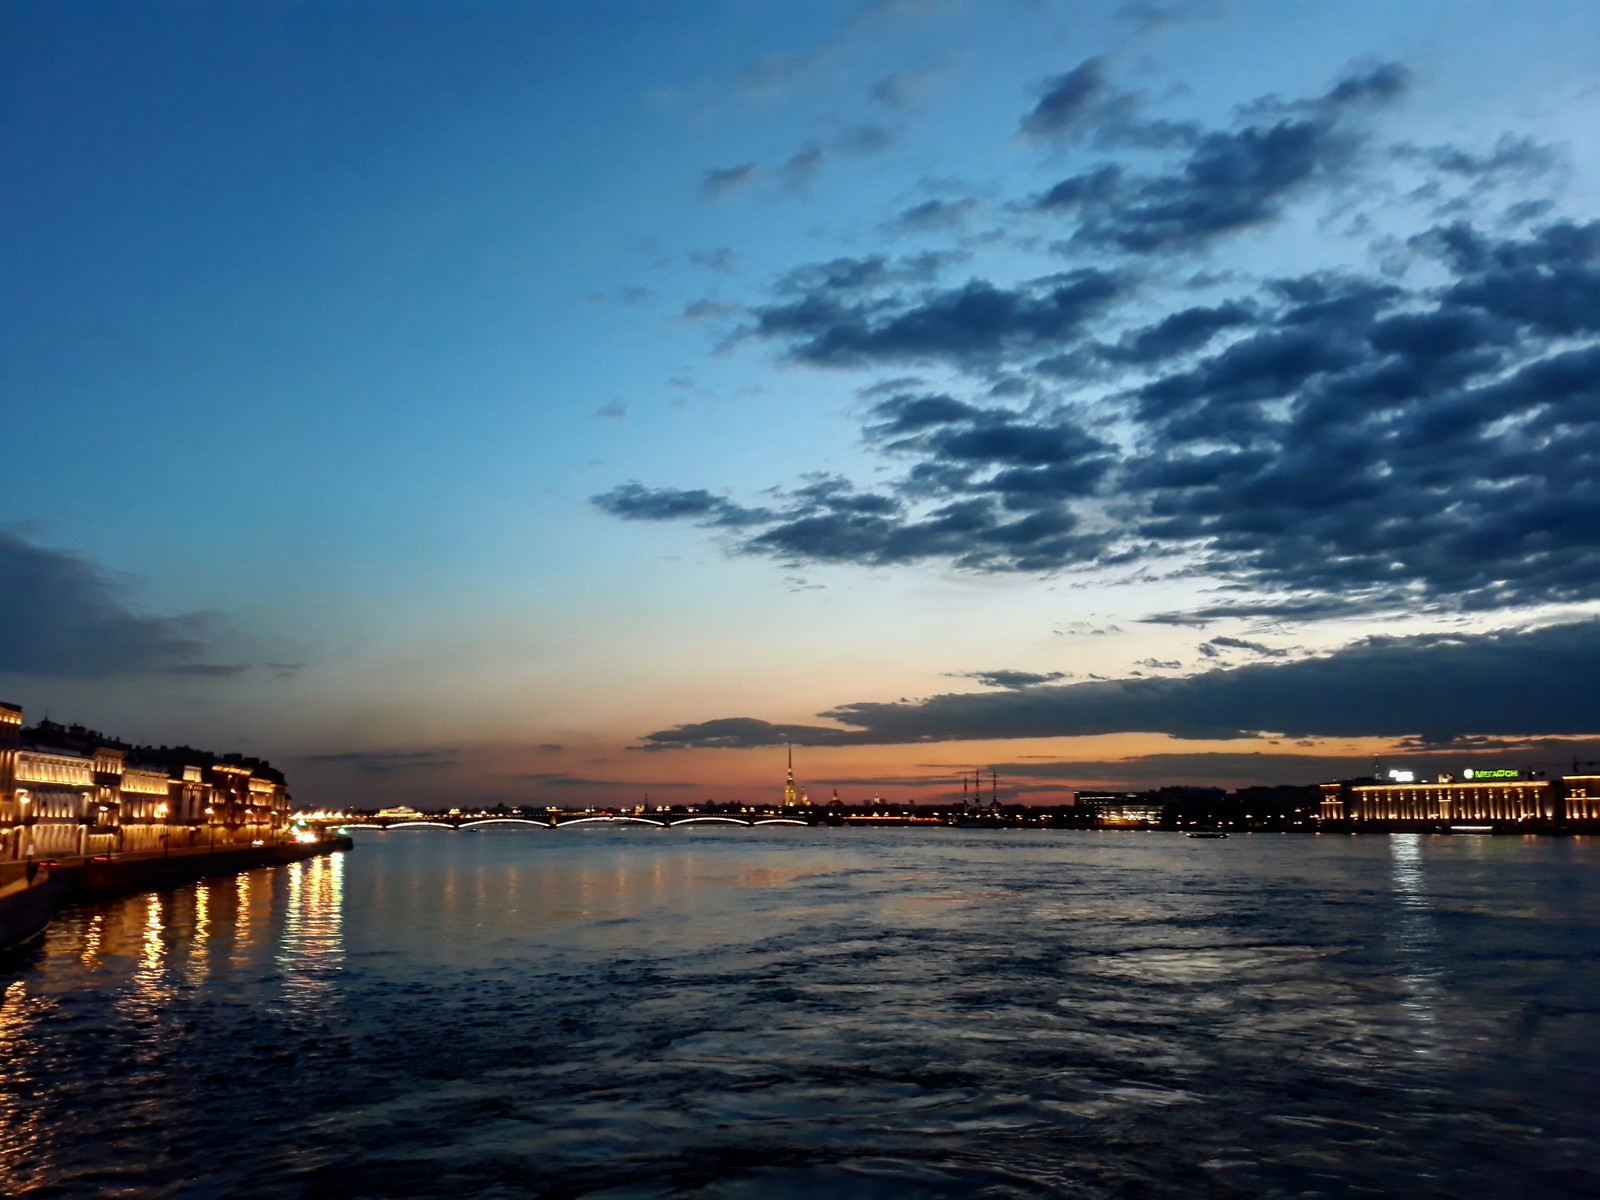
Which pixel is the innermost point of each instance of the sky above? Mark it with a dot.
(559, 403)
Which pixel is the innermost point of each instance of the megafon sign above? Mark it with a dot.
(1483, 774)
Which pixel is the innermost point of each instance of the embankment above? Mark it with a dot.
(28, 899)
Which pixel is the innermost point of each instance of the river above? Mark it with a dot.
(627, 1012)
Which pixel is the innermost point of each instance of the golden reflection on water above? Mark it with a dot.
(1419, 973)
(311, 949)
(92, 935)
(241, 919)
(151, 991)
(21, 1131)
(197, 968)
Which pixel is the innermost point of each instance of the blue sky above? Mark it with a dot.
(460, 398)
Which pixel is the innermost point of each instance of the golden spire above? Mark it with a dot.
(791, 794)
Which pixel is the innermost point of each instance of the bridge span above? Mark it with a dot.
(561, 821)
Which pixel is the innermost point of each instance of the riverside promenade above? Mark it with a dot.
(31, 892)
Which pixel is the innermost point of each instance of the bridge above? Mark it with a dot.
(559, 820)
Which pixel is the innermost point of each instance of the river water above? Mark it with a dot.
(629, 1012)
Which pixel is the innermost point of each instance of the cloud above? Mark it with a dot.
(1015, 679)
(1068, 100)
(1225, 181)
(773, 74)
(1219, 645)
(1326, 445)
(635, 502)
(64, 617)
(934, 216)
(721, 180)
(1229, 181)
(720, 259)
(863, 140)
(1304, 447)
(613, 410)
(975, 323)
(1518, 683)
(828, 282)
(1511, 156)
(901, 89)
(706, 309)
(801, 168)
(1151, 15)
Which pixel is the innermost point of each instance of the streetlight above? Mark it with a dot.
(211, 828)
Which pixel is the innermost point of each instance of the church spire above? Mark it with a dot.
(791, 794)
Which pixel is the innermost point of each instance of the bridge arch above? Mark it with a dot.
(780, 821)
(505, 821)
(608, 821)
(710, 821)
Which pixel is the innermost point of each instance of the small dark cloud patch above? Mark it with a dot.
(801, 168)
(720, 259)
(1069, 100)
(840, 280)
(1151, 15)
(706, 309)
(62, 616)
(973, 324)
(935, 216)
(721, 180)
(612, 410)
(635, 502)
(1220, 644)
(1518, 157)
(210, 670)
(1015, 679)
(863, 140)
(901, 89)
(743, 733)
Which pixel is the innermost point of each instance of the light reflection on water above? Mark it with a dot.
(731, 1012)
(1417, 939)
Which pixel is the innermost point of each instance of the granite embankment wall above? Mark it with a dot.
(27, 902)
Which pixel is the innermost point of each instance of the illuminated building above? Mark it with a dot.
(12, 812)
(67, 791)
(1121, 809)
(1582, 797)
(793, 797)
(1480, 794)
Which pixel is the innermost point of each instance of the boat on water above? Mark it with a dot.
(1207, 833)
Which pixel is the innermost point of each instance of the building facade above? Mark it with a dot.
(1582, 798)
(1121, 810)
(1476, 796)
(67, 791)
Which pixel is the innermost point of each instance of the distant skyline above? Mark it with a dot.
(535, 403)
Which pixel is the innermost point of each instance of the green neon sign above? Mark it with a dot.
(1477, 773)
